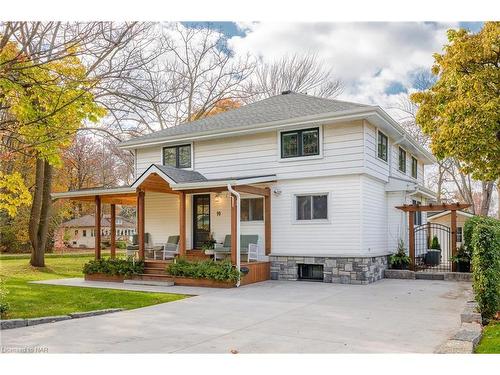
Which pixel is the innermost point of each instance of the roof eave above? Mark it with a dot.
(353, 114)
(88, 192)
(222, 183)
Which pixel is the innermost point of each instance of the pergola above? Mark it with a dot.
(411, 208)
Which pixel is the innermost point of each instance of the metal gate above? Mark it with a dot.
(434, 260)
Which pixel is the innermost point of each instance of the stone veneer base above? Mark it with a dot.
(339, 270)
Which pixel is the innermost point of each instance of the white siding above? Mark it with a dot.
(396, 220)
(161, 216)
(145, 157)
(340, 236)
(374, 218)
(374, 165)
(258, 154)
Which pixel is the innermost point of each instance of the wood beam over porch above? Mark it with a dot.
(97, 237)
(140, 223)
(182, 224)
(113, 230)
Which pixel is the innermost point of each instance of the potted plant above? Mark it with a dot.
(433, 255)
(462, 258)
(209, 245)
(399, 260)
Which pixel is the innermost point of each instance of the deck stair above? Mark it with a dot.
(164, 281)
(154, 274)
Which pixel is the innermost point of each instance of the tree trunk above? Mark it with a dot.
(498, 199)
(40, 213)
(35, 213)
(486, 197)
(43, 230)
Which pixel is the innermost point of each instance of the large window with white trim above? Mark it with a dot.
(177, 156)
(311, 207)
(303, 142)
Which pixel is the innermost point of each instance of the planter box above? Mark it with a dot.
(188, 281)
(104, 277)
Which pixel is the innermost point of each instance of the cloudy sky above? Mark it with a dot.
(377, 62)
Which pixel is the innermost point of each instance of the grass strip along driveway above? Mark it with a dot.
(28, 300)
(490, 343)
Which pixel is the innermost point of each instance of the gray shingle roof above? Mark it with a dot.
(180, 175)
(275, 108)
(89, 221)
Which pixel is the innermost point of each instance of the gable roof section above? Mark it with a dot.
(444, 213)
(171, 175)
(276, 108)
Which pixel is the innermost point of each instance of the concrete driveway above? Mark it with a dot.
(269, 317)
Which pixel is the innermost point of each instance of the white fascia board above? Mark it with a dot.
(330, 117)
(406, 138)
(152, 169)
(221, 183)
(87, 192)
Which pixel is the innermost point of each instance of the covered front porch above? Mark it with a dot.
(180, 212)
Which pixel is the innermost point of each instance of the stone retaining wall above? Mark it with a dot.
(339, 270)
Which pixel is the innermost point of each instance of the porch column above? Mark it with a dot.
(182, 224)
(267, 221)
(140, 223)
(411, 238)
(113, 230)
(234, 226)
(453, 238)
(97, 225)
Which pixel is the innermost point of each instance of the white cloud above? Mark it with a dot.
(368, 57)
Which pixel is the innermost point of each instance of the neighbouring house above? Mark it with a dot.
(80, 232)
(315, 180)
(444, 219)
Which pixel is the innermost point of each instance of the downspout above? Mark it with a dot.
(238, 212)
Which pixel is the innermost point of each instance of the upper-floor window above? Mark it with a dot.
(177, 156)
(84, 233)
(414, 167)
(382, 146)
(402, 160)
(304, 142)
(312, 207)
(252, 209)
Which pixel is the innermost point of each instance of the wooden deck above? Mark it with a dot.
(155, 270)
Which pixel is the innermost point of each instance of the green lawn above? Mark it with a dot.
(34, 300)
(490, 343)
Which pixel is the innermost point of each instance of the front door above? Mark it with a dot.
(201, 220)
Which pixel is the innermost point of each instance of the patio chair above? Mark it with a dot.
(134, 248)
(171, 248)
(245, 241)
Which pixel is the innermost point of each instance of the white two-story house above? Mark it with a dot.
(317, 181)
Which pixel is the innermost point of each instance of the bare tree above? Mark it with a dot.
(304, 74)
(205, 71)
